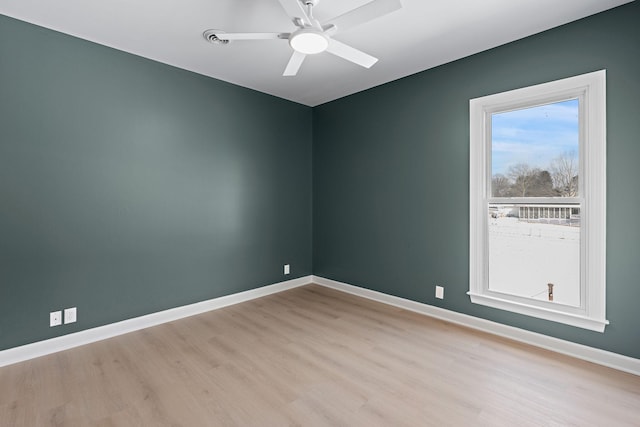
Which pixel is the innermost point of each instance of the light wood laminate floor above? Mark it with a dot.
(313, 356)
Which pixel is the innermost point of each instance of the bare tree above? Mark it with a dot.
(524, 177)
(500, 186)
(564, 172)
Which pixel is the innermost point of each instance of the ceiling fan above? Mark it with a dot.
(312, 37)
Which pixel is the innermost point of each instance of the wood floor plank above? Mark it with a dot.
(313, 356)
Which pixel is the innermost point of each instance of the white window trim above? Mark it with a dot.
(591, 89)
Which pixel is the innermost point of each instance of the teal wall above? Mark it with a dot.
(129, 187)
(391, 172)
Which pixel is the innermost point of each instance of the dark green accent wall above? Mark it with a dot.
(129, 186)
(391, 172)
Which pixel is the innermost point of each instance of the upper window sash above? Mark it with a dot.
(531, 101)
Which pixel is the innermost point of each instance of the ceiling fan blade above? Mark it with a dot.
(351, 54)
(252, 36)
(365, 13)
(294, 63)
(295, 9)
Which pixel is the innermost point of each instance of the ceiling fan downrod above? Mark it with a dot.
(310, 4)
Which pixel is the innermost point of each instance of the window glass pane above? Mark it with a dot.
(532, 246)
(534, 151)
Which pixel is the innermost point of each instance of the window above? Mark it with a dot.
(537, 201)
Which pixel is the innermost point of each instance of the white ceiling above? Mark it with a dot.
(421, 35)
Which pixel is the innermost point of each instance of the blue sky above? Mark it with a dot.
(534, 135)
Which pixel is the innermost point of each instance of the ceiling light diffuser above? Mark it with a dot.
(309, 41)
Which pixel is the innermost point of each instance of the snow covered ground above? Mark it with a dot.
(524, 257)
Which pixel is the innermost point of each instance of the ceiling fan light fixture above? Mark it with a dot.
(309, 41)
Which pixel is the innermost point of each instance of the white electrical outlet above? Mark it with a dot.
(439, 292)
(287, 270)
(55, 318)
(70, 315)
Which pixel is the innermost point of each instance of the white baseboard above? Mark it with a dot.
(53, 345)
(591, 354)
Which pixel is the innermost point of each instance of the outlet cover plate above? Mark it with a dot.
(70, 315)
(439, 292)
(55, 318)
(287, 270)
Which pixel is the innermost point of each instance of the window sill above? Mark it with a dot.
(579, 321)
